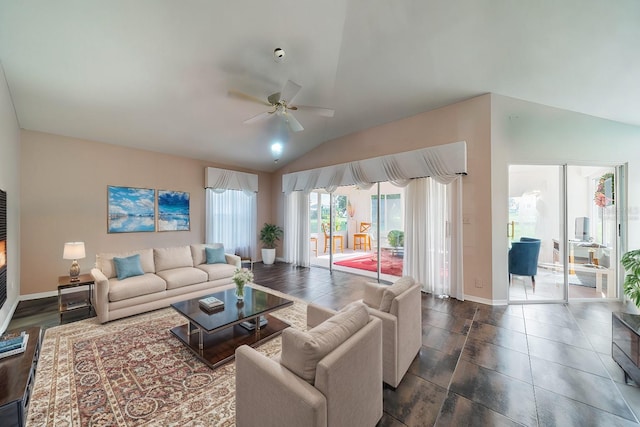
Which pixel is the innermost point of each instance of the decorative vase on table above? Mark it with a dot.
(241, 277)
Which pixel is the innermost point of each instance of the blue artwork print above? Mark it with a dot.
(131, 209)
(173, 210)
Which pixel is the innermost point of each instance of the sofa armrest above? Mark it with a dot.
(100, 295)
(233, 260)
(268, 394)
(317, 314)
(407, 307)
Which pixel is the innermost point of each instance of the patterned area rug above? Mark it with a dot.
(134, 372)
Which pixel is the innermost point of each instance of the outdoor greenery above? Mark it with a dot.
(396, 238)
(631, 263)
(269, 235)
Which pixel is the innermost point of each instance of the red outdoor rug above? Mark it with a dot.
(390, 264)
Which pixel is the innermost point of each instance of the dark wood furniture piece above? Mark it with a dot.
(79, 299)
(17, 375)
(625, 344)
(213, 336)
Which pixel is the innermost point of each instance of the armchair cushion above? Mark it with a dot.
(373, 293)
(301, 351)
(399, 287)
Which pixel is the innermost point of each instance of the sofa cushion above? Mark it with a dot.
(218, 271)
(128, 266)
(198, 252)
(301, 351)
(135, 286)
(183, 276)
(215, 255)
(373, 293)
(104, 261)
(399, 287)
(168, 258)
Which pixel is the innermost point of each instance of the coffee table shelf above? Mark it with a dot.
(219, 348)
(214, 336)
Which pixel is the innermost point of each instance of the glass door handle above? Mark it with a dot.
(511, 228)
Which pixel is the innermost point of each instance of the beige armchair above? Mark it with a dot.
(330, 375)
(399, 307)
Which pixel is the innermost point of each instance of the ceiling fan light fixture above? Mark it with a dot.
(276, 150)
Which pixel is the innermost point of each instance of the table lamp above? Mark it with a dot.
(74, 251)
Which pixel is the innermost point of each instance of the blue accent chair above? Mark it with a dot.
(523, 258)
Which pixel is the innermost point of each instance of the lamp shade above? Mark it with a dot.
(73, 250)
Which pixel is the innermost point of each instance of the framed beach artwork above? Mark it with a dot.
(173, 211)
(130, 209)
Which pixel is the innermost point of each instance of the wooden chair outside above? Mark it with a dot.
(314, 245)
(337, 238)
(362, 240)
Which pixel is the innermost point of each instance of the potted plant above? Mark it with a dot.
(631, 263)
(396, 240)
(269, 236)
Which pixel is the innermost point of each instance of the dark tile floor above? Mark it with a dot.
(532, 365)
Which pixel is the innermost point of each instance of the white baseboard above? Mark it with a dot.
(485, 301)
(38, 295)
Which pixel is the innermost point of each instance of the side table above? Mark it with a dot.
(247, 261)
(79, 298)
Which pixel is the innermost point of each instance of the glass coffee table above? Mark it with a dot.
(214, 335)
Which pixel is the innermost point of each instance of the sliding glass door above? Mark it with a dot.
(562, 233)
(536, 234)
(358, 230)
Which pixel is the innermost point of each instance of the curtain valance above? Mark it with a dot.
(443, 163)
(223, 179)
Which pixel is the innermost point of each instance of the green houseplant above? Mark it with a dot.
(396, 239)
(270, 234)
(631, 263)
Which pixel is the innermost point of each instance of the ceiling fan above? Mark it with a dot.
(281, 103)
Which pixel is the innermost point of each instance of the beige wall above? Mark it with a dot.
(10, 182)
(64, 198)
(528, 133)
(468, 121)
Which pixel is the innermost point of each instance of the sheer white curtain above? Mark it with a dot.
(433, 239)
(296, 228)
(230, 217)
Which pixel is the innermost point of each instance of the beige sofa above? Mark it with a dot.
(170, 275)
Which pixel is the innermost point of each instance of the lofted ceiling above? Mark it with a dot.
(155, 74)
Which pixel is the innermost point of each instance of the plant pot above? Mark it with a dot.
(268, 256)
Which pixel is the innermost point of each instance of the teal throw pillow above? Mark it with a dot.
(128, 267)
(215, 255)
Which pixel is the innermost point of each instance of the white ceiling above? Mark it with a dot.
(155, 74)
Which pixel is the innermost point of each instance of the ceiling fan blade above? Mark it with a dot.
(324, 112)
(289, 91)
(293, 123)
(274, 98)
(259, 117)
(244, 96)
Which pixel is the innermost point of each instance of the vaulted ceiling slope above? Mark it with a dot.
(155, 74)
